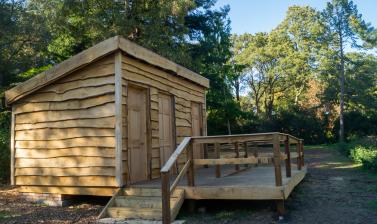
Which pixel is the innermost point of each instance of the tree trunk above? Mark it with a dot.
(341, 79)
(229, 131)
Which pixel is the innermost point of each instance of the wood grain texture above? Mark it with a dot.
(48, 116)
(118, 119)
(96, 191)
(76, 151)
(12, 147)
(87, 181)
(69, 104)
(65, 162)
(66, 172)
(102, 122)
(59, 134)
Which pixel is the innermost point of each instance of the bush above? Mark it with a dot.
(365, 153)
(4, 146)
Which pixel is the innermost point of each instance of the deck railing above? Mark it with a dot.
(186, 147)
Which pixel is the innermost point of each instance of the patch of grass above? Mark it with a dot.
(373, 205)
(6, 215)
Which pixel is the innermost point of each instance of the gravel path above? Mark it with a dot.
(334, 191)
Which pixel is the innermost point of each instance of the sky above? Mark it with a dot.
(251, 16)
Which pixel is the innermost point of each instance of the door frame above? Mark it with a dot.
(173, 122)
(148, 142)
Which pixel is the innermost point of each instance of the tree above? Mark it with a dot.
(344, 23)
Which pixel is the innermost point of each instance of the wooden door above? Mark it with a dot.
(137, 134)
(196, 124)
(166, 127)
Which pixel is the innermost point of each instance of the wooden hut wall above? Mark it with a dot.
(64, 132)
(158, 82)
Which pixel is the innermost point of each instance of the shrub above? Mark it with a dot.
(365, 153)
(4, 146)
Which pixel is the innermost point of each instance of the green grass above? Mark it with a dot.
(6, 215)
(373, 205)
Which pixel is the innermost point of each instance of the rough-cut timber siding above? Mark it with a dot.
(157, 80)
(64, 132)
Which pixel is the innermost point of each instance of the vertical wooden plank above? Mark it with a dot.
(12, 149)
(217, 154)
(149, 133)
(118, 118)
(302, 153)
(277, 155)
(246, 152)
(280, 208)
(288, 160)
(191, 171)
(165, 193)
(255, 151)
(298, 149)
(237, 167)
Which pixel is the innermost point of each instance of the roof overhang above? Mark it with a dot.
(92, 54)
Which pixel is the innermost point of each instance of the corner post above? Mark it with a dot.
(246, 152)
(217, 154)
(288, 160)
(165, 191)
(118, 118)
(302, 153)
(12, 149)
(191, 170)
(255, 151)
(277, 155)
(237, 167)
(298, 146)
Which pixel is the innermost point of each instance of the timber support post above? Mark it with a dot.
(237, 167)
(191, 171)
(277, 155)
(298, 146)
(166, 215)
(217, 154)
(302, 153)
(288, 172)
(246, 152)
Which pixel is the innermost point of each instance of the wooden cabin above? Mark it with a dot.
(107, 117)
(119, 120)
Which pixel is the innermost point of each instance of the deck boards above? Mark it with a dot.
(252, 183)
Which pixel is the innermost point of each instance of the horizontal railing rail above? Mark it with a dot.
(185, 150)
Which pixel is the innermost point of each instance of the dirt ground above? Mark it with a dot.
(334, 191)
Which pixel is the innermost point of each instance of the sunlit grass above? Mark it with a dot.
(6, 215)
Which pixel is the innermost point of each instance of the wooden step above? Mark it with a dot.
(142, 202)
(134, 213)
(149, 192)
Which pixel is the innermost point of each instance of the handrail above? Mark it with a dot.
(274, 138)
(173, 158)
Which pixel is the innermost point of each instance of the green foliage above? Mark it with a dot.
(4, 146)
(366, 154)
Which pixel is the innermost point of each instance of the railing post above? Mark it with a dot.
(302, 153)
(217, 154)
(277, 155)
(191, 171)
(237, 167)
(246, 152)
(165, 191)
(205, 149)
(298, 146)
(255, 151)
(288, 160)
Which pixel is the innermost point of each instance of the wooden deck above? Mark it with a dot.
(252, 183)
